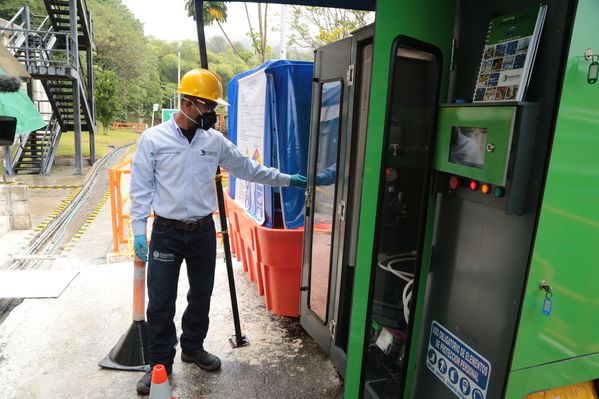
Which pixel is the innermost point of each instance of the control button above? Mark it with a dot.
(454, 182)
(485, 189)
(390, 174)
(473, 185)
(499, 192)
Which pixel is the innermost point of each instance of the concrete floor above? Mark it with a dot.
(49, 348)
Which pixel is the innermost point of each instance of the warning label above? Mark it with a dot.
(460, 368)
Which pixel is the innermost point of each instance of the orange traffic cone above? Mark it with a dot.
(160, 388)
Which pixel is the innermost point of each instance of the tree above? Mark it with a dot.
(259, 38)
(108, 102)
(215, 11)
(217, 44)
(313, 27)
(8, 8)
(121, 47)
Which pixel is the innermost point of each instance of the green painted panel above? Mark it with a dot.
(553, 375)
(566, 250)
(168, 114)
(393, 18)
(499, 122)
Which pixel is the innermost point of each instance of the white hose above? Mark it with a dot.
(390, 260)
(405, 298)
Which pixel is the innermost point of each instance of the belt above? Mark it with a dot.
(181, 225)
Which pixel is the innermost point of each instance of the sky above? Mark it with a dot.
(171, 22)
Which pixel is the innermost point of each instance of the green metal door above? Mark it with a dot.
(566, 250)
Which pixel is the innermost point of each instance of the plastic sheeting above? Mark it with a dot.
(287, 130)
(19, 105)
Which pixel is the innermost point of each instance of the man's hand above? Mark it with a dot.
(298, 181)
(140, 245)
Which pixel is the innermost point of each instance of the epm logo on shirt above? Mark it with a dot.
(207, 153)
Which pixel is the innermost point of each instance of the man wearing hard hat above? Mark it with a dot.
(173, 174)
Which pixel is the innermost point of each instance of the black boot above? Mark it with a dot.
(145, 382)
(204, 360)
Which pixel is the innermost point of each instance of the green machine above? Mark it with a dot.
(478, 239)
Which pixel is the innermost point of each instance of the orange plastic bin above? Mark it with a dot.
(231, 226)
(247, 225)
(280, 258)
(233, 210)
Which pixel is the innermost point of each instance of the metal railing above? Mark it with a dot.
(17, 148)
(53, 132)
(43, 53)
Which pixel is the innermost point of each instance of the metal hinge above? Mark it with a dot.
(350, 75)
(332, 328)
(341, 210)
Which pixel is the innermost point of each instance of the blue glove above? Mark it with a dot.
(140, 245)
(298, 181)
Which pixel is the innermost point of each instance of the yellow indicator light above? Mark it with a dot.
(485, 188)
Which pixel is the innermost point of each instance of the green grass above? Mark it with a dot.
(66, 147)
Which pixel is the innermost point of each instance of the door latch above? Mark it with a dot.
(341, 210)
(350, 75)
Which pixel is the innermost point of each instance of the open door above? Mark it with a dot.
(323, 210)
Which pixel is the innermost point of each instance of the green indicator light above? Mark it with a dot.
(499, 192)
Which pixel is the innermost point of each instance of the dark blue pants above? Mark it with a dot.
(168, 248)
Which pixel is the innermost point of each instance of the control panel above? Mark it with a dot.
(484, 152)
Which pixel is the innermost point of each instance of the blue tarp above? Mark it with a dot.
(287, 125)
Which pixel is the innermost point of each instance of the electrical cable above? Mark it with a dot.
(405, 298)
(408, 277)
(397, 258)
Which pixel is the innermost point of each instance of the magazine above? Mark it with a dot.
(508, 56)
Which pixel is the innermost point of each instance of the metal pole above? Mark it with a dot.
(27, 27)
(179, 72)
(91, 103)
(7, 162)
(239, 339)
(283, 30)
(199, 6)
(76, 104)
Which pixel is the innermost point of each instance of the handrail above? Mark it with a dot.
(16, 16)
(17, 148)
(41, 53)
(50, 150)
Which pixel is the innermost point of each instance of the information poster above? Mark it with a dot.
(251, 102)
(464, 371)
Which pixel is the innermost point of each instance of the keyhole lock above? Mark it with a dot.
(548, 302)
(544, 286)
(490, 147)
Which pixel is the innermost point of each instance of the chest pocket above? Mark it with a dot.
(165, 157)
(205, 166)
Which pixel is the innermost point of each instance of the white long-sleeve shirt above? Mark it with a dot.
(176, 178)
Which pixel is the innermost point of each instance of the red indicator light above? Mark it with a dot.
(454, 182)
(473, 185)
(485, 189)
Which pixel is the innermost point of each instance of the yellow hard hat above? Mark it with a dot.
(204, 84)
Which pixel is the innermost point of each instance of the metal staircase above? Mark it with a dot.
(50, 51)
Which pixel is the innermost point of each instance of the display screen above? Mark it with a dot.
(468, 146)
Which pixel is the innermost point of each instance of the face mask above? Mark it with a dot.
(203, 121)
(206, 121)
